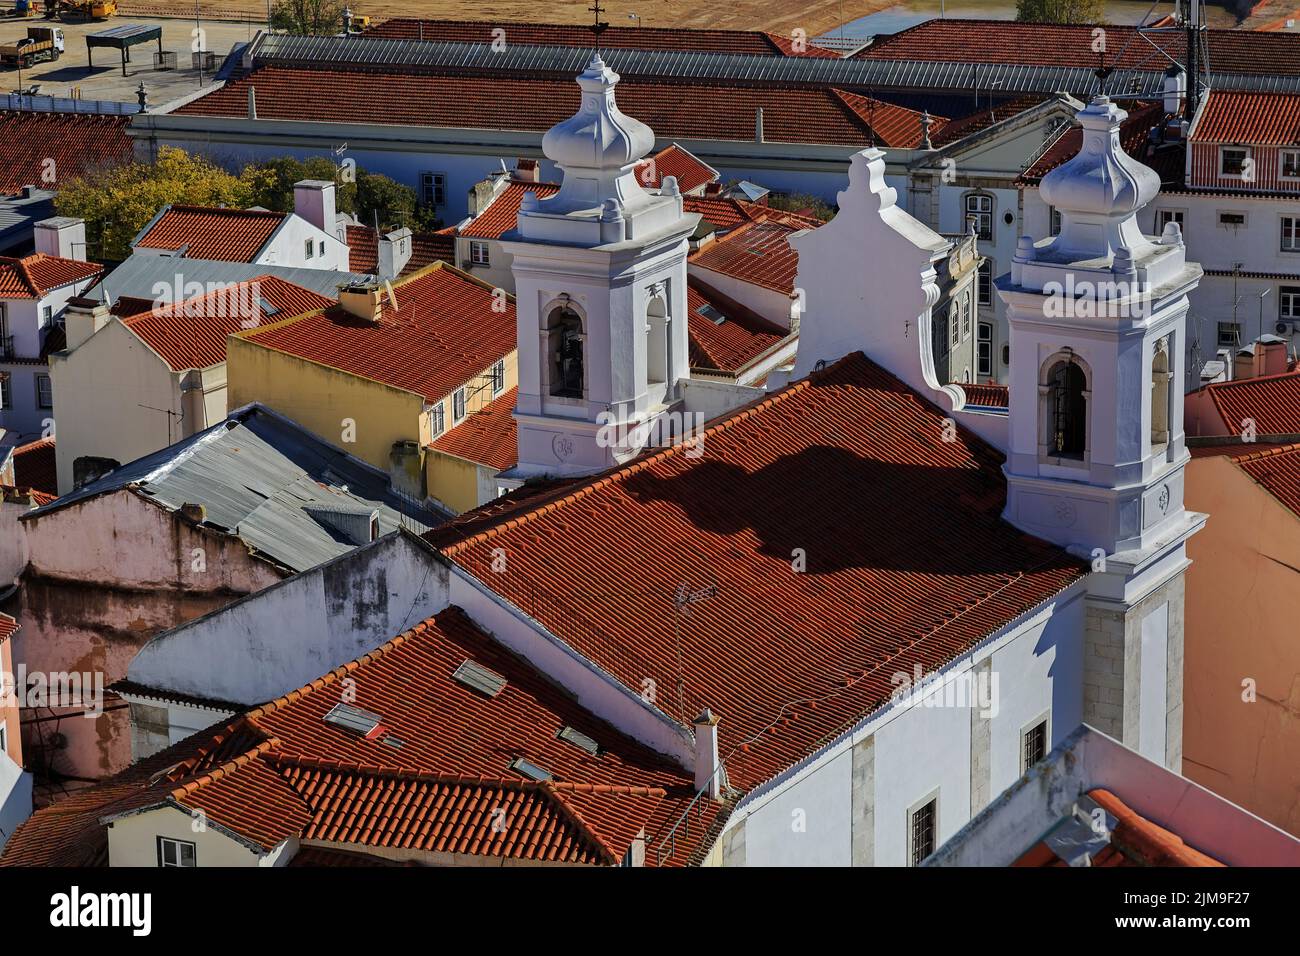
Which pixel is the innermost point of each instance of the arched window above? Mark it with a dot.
(564, 346)
(656, 338)
(1160, 399)
(1067, 410)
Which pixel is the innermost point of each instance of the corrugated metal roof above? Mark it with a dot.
(138, 275)
(260, 476)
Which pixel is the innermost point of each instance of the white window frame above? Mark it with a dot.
(1223, 154)
(438, 419)
(984, 348)
(47, 316)
(309, 248)
(984, 283)
(498, 378)
(1225, 337)
(931, 797)
(1288, 304)
(954, 328)
(458, 406)
(1166, 216)
(164, 842)
(1281, 163)
(979, 214)
(49, 389)
(1290, 225)
(479, 253)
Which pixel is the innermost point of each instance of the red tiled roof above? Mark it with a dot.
(673, 160)
(77, 145)
(1260, 119)
(426, 249)
(1277, 470)
(1051, 44)
(989, 395)
(1133, 137)
(487, 436)
(734, 342)
(531, 103)
(983, 118)
(787, 659)
(36, 497)
(193, 333)
(501, 214)
(1134, 842)
(759, 253)
(210, 232)
(443, 333)
(430, 781)
(747, 42)
(1271, 401)
(7, 627)
(893, 125)
(34, 276)
(34, 466)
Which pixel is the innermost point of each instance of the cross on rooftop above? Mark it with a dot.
(1102, 72)
(599, 26)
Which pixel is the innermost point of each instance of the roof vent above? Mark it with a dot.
(529, 769)
(579, 740)
(363, 722)
(479, 678)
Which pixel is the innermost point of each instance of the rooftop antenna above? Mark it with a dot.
(683, 598)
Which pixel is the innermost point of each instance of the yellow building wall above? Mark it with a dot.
(453, 481)
(361, 416)
(133, 841)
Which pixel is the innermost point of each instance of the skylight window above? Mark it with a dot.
(359, 721)
(529, 769)
(580, 740)
(709, 312)
(479, 678)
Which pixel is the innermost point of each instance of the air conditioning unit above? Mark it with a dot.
(1283, 328)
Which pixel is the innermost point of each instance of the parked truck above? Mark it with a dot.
(81, 9)
(40, 44)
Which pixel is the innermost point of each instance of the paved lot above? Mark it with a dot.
(105, 81)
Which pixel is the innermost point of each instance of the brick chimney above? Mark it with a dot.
(1268, 355)
(62, 237)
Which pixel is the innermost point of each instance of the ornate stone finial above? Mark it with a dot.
(669, 187)
(926, 122)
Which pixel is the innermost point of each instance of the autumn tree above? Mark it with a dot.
(272, 181)
(308, 17)
(1061, 11)
(116, 204)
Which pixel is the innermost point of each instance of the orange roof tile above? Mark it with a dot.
(732, 343)
(893, 125)
(1271, 401)
(759, 253)
(1260, 119)
(35, 276)
(34, 466)
(426, 249)
(35, 145)
(210, 232)
(1277, 469)
(7, 627)
(193, 333)
(674, 160)
(788, 659)
(430, 781)
(988, 395)
(487, 436)
(501, 214)
(443, 333)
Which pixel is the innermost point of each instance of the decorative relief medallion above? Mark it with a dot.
(1065, 512)
(1163, 500)
(562, 445)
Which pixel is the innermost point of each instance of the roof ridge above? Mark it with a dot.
(1266, 453)
(227, 768)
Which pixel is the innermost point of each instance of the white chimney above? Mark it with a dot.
(708, 774)
(1175, 88)
(394, 253)
(758, 125)
(313, 200)
(82, 319)
(62, 237)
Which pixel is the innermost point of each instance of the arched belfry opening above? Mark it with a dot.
(1065, 390)
(656, 332)
(1160, 394)
(565, 349)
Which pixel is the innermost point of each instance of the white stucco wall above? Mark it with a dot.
(133, 841)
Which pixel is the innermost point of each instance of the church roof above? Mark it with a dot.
(886, 551)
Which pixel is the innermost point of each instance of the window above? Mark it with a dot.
(4, 739)
(44, 392)
(1033, 745)
(458, 406)
(565, 344)
(498, 378)
(985, 283)
(1291, 164)
(954, 327)
(309, 248)
(478, 254)
(175, 852)
(1232, 160)
(1165, 216)
(1291, 233)
(922, 824)
(1288, 299)
(47, 315)
(656, 341)
(940, 338)
(1054, 222)
(6, 396)
(1229, 334)
(433, 189)
(965, 315)
(438, 419)
(1232, 220)
(984, 353)
(321, 248)
(1068, 425)
(1160, 399)
(979, 213)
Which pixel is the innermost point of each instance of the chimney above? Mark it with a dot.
(252, 102)
(708, 773)
(528, 170)
(758, 125)
(365, 300)
(82, 319)
(405, 473)
(1175, 88)
(313, 200)
(194, 513)
(1274, 358)
(62, 237)
(394, 253)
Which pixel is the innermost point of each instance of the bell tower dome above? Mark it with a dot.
(600, 294)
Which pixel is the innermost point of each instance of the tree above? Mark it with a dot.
(272, 182)
(391, 204)
(804, 203)
(1061, 11)
(308, 17)
(118, 203)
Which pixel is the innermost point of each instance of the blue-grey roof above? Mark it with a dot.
(138, 275)
(19, 215)
(289, 495)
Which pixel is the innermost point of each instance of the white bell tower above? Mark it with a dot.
(600, 292)
(1095, 461)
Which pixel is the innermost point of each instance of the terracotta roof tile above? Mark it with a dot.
(1260, 119)
(787, 659)
(1271, 401)
(34, 466)
(487, 436)
(8, 626)
(79, 144)
(691, 171)
(988, 395)
(193, 333)
(731, 344)
(501, 214)
(443, 333)
(210, 232)
(34, 276)
(1277, 469)
(759, 253)
(1133, 136)
(982, 118)
(426, 249)
(894, 126)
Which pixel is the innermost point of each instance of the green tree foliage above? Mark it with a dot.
(308, 17)
(272, 182)
(118, 203)
(804, 203)
(1061, 11)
